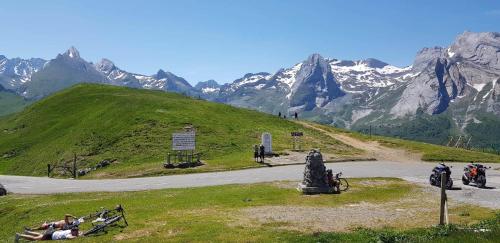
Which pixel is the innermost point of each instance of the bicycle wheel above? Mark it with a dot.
(94, 230)
(113, 220)
(343, 184)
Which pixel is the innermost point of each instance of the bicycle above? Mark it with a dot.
(343, 184)
(106, 218)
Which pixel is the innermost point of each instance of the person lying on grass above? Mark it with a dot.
(61, 224)
(49, 235)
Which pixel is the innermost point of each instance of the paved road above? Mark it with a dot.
(415, 172)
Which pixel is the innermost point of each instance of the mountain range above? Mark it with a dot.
(447, 91)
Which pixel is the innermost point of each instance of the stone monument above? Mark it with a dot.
(315, 175)
(267, 141)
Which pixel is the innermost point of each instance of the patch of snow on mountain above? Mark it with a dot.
(486, 95)
(209, 90)
(249, 80)
(149, 82)
(319, 101)
(478, 87)
(363, 67)
(288, 76)
(410, 75)
(450, 53)
(121, 75)
(358, 67)
(260, 86)
(389, 69)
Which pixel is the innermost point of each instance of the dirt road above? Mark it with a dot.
(372, 148)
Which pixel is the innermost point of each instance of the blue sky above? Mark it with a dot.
(223, 40)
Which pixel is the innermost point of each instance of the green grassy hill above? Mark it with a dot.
(134, 127)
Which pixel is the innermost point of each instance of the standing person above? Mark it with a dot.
(279, 114)
(284, 116)
(262, 153)
(256, 153)
(296, 116)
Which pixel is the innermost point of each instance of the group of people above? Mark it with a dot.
(295, 115)
(57, 230)
(259, 153)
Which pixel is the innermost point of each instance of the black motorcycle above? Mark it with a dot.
(475, 173)
(435, 178)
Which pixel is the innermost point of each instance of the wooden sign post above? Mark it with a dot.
(443, 214)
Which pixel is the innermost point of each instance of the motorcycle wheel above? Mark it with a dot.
(432, 180)
(481, 181)
(465, 180)
(449, 184)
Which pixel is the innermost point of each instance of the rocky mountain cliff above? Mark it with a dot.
(36, 78)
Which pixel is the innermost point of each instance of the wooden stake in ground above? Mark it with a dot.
(74, 167)
(443, 210)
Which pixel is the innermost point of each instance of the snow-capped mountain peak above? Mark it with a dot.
(72, 52)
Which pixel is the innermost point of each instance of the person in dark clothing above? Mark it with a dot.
(296, 116)
(284, 116)
(279, 114)
(256, 153)
(262, 153)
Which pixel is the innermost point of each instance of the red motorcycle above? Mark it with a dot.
(475, 173)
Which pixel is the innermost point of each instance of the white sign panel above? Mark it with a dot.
(267, 141)
(183, 141)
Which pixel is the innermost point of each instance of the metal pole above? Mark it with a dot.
(443, 199)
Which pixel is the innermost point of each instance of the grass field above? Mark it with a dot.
(231, 213)
(430, 152)
(134, 127)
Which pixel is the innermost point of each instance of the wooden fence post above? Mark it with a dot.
(443, 200)
(74, 166)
